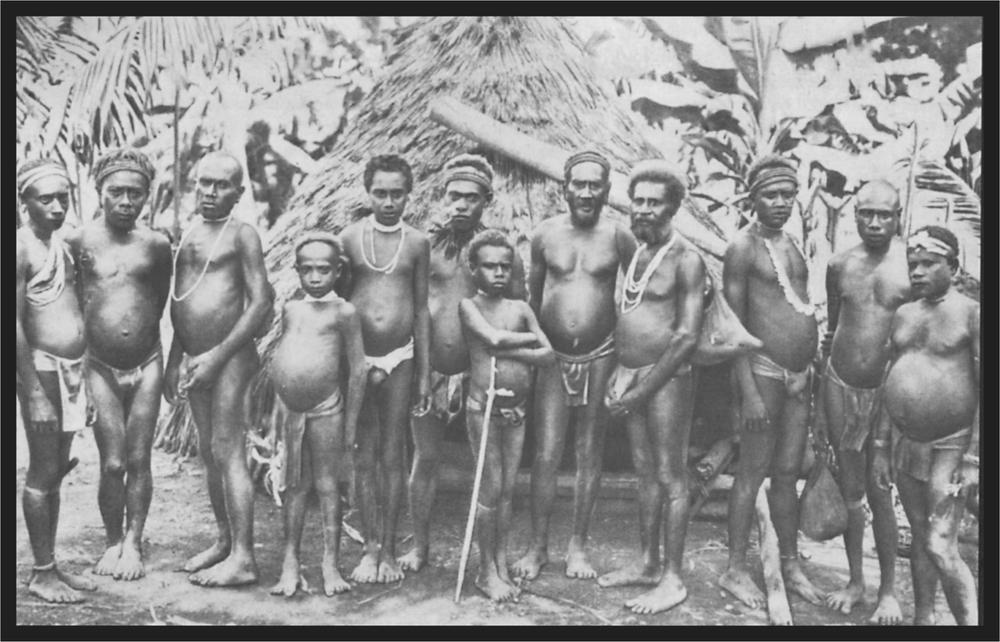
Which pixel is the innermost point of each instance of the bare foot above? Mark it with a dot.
(290, 581)
(209, 557)
(925, 620)
(495, 588)
(529, 566)
(109, 561)
(887, 612)
(389, 571)
(333, 581)
(47, 586)
(845, 599)
(130, 565)
(366, 571)
(666, 595)
(232, 571)
(413, 561)
(742, 586)
(634, 573)
(75, 582)
(797, 582)
(577, 564)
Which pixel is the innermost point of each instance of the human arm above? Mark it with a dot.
(355, 349)
(540, 355)
(968, 472)
(205, 367)
(171, 372)
(517, 289)
(40, 411)
(626, 244)
(422, 328)
(832, 305)
(536, 273)
(493, 338)
(683, 339)
(882, 430)
(735, 273)
(163, 259)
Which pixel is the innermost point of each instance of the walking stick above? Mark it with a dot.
(491, 394)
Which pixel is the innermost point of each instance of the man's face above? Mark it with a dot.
(930, 273)
(464, 201)
(217, 189)
(123, 194)
(47, 201)
(586, 191)
(492, 269)
(773, 203)
(877, 217)
(652, 211)
(318, 266)
(388, 196)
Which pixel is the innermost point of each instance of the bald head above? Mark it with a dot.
(219, 185)
(223, 161)
(877, 214)
(878, 194)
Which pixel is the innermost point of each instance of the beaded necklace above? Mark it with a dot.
(632, 290)
(374, 225)
(204, 269)
(805, 309)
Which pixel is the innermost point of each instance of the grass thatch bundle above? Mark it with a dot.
(530, 72)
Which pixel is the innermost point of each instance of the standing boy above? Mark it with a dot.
(319, 435)
(501, 333)
(125, 279)
(389, 268)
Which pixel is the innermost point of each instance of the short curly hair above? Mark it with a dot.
(658, 171)
(388, 163)
(319, 236)
(491, 237)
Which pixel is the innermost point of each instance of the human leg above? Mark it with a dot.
(884, 527)
(428, 432)
(109, 433)
(295, 500)
(591, 425)
(913, 495)
(670, 413)
(396, 417)
(364, 474)
(551, 416)
(325, 435)
(200, 403)
(512, 436)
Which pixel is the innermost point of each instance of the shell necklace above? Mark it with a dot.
(374, 226)
(805, 309)
(632, 290)
(204, 269)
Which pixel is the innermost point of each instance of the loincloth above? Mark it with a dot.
(624, 379)
(75, 410)
(389, 362)
(291, 429)
(796, 383)
(860, 410)
(916, 457)
(499, 417)
(575, 371)
(447, 395)
(127, 380)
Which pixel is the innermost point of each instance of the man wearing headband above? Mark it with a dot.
(389, 262)
(930, 422)
(575, 260)
(219, 298)
(764, 279)
(653, 386)
(50, 344)
(864, 286)
(125, 276)
(468, 189)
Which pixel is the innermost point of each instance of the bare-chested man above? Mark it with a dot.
(389, 267)
(864, 286)
(502, 333)
(652, 387)
(764, 278)
(125, 280)
(575, 260)
(931, 396)
(220, 297)
(468, 182)
(317, 334)
(50, 344)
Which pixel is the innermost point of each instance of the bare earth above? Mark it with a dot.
(180, 525)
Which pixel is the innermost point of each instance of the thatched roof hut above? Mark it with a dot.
(531, 72)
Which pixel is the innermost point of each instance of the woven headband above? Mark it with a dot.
(121, 164)
(468, 173)
(35, 174)
(772, 175)
(587, 157)
(319, 237)
(926, 242)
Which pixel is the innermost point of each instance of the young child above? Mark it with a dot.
(318, 433)
(506, 330)
(931, 397)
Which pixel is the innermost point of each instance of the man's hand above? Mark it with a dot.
(42, 414)
(423, 404)
(967, 475)
(203, 370)
(754, 413)
(629, 403)
(825, 344)
(881, 472)
(171, 378)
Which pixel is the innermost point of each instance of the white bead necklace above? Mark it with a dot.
(805, 309)
(632, 290)
(374, 225)
(204, 269)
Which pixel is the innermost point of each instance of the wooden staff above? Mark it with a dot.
(778, 610)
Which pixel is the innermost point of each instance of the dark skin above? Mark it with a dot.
(56, 328)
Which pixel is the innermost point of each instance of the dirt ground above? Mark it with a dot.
(180, 524)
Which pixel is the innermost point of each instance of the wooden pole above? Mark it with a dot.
(778, 610)
(177, 165)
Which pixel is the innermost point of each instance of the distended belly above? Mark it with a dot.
(577, 318)
(927, 398)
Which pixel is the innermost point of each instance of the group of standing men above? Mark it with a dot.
(424, 308)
